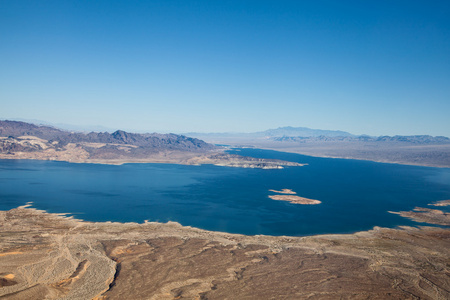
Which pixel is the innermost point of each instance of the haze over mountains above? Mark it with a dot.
(281, 131)
(303, 131)
(286, 133)
(65, 126)
(301, 134)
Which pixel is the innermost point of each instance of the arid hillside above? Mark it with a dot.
(19, 140)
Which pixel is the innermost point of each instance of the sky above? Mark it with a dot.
(366, 67)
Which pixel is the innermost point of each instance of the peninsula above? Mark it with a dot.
(20, 140)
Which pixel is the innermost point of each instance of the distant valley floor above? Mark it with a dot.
(419, 154)
(429, 156)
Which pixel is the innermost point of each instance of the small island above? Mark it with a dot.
(290, 196)
(284, 191)
(441, 203)
(294, 199)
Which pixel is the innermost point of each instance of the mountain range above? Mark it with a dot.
(304, 134)
(154, 141)
(20, 140)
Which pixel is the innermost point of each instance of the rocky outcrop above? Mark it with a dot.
(426, 215)
(11, 145)
(152, 141)
(16, 129)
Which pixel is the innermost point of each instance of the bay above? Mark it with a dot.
(356, 195)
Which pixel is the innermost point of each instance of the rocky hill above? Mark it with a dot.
(152, 141)
(20, 140)
(25, 140)
(16, 129)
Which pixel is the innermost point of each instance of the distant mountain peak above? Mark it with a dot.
(304, 132)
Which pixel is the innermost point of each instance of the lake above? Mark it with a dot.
(356, 195)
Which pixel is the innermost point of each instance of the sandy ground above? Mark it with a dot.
(50, 256)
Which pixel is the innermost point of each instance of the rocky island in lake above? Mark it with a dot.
(291, 197)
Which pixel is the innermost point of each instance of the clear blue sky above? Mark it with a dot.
(374, 67)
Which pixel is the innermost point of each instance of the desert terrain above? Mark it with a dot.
(79, 153)
(52, 256)
(20, 140)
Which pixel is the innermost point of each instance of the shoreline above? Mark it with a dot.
(119, 162)
(351, 158)
(419, 215)
(168, 260)
(217, 158)
(69, 216)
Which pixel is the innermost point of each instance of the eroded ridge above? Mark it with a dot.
(48, 256)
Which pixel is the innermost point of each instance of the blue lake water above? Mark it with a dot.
(356, 195)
